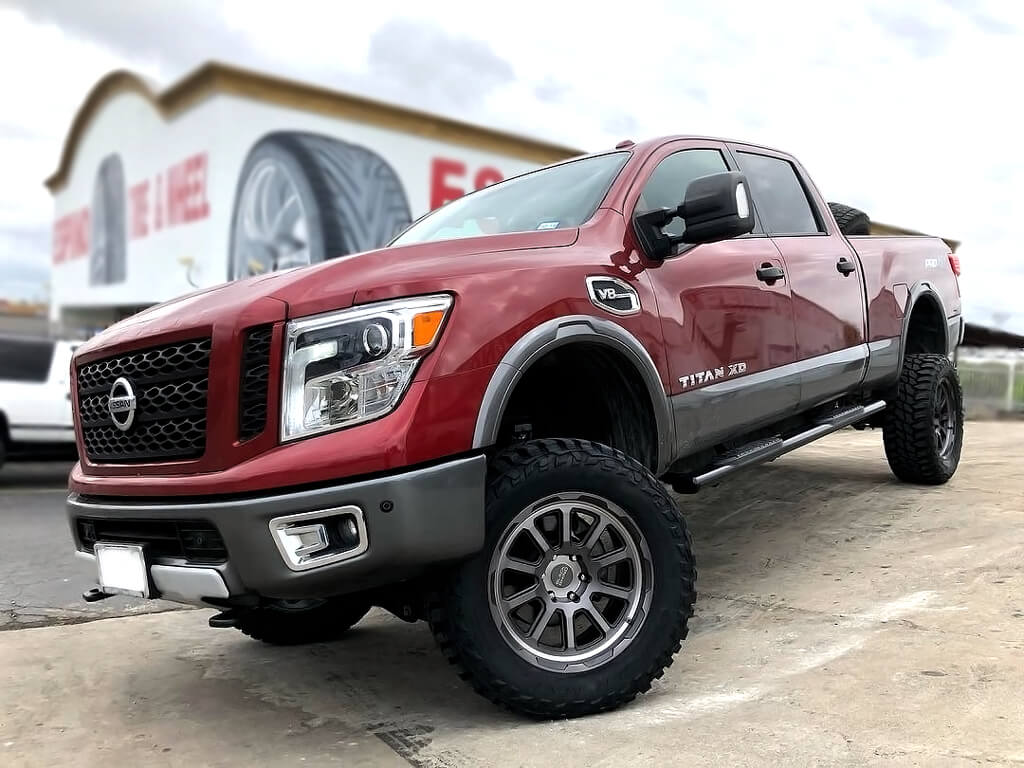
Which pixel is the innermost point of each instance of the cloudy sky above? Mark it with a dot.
(909, 110)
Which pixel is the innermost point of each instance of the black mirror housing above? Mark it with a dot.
(717, 207)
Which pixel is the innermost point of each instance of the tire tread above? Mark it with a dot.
(908, 434)
(512, 468)
(850, 220)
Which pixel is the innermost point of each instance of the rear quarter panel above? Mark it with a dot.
(893, 268)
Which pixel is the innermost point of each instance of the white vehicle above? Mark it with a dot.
(35, 399)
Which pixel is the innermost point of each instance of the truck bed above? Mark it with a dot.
(893, 267)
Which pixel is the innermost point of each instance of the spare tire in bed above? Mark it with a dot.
(850, 220)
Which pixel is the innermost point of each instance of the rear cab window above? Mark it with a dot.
(779, 195)
(25, 359)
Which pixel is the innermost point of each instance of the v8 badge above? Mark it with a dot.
(613, 295)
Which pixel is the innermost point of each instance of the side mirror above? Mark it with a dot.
(716, 207)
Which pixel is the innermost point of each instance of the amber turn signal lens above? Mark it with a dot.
(424, 327)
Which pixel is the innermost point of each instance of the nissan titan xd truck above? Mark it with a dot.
(476, 425)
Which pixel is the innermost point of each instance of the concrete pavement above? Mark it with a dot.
(843, 619)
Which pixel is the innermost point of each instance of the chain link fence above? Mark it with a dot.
(993, 382)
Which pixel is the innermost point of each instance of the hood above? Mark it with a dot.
(404, 270)
(334, 284)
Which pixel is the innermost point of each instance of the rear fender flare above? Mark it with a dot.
(558, 332)
(921, 290)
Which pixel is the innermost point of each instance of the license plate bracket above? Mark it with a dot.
(122, 569)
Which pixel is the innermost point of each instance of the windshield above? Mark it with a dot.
(558, 197)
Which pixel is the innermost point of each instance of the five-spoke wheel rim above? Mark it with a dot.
(944, 418)
(271, 228)
(570, 582)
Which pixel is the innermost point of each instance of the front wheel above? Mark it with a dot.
(924, 426)
(583, 590)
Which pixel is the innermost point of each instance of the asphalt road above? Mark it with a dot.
(41, 582)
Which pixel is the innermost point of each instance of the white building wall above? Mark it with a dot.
(207, 146)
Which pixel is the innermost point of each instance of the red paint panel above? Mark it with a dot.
(715, 311)
(889, 262)
(828, 307)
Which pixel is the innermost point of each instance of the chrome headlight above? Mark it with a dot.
(344, 368)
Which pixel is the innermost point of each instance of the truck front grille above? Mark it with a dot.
(197, 541)
(170, 387)
(255, 379)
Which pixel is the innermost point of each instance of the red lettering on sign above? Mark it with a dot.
(441, 191)
(158, 209)
(71, 236)
(443, 172)
(181, 200)
(139, 197)
(186, 191)
(487, 176)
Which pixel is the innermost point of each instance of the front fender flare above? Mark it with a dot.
(568, 330)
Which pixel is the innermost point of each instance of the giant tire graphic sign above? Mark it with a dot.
(107, 249)
(303, 198)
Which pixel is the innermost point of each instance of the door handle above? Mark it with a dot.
(769, 273)
(845, 266)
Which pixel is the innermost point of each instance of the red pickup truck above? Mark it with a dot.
(475, 426)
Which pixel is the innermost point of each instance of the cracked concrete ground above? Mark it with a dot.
(844, 619)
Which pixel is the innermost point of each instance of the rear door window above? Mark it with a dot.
(779, 195)
(25, 359)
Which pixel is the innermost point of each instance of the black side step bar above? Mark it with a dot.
(767, 450)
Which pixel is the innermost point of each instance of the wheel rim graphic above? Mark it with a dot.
(271, 228)
(944, 419)
(570, 582)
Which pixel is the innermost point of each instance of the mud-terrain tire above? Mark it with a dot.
(321, 198)
(107, 235)
(468, 616)
(300, 622)
(850, 220)
(924, 424)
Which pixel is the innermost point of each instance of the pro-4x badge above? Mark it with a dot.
(613, 295)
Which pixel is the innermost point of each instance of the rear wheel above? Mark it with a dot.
(296, 622)
(924, 427)
(584, 587)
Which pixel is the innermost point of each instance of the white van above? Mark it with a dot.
(35, 398)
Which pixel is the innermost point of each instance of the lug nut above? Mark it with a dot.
(574, 597)
(573, 558)
(551, 595)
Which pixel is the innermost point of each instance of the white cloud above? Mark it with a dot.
(902, 110)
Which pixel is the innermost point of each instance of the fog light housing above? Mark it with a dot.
(314, 539)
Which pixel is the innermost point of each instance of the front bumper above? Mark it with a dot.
(412, 520)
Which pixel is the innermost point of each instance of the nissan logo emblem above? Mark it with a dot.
(122, 404)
